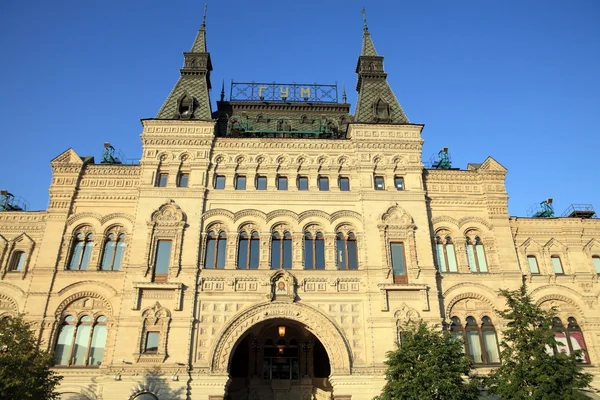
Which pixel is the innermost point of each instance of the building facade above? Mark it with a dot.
(270, 248)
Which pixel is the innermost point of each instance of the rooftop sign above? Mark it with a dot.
(285, 92)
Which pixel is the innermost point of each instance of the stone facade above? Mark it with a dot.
(200, 316)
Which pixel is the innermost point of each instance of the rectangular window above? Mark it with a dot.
(596, 263)
(323, 182)
(151, 345)
(399, 183)
(282, 183)
(398, 263)
(379, 183)
(183, 180)
(344, 184)
(162, 180)
(557, 265)
(533, 265)
(240, 182)
(302, 183)
(162, 260)
(261, 182)
(220, 182)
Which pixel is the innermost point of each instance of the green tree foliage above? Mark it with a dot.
(429, 364)
(24, 369)
(529, 369)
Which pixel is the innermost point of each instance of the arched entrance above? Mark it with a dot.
(327, 341)
(279, 359)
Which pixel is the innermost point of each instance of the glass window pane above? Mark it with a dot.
(162, 180)
(261, 183)
(87, 254)
(81, 344)
(254, 252)
(562, 346)
(557, 265)
(379, 183)
(533, 265)
(98, 344)
(76, 256)
(240, 183)
(320, 253)
(340, 253)
(596, 263)
(344, 184)
(152, 342)
(282, 183)
(63, 345)
(275, 253)
(183, 180)
(209, 260)
(242, 261)
(287, 254)
(471, 258)
(220, 182)
(481, 258)
(577, 343)
(109, 251)
(323, 183)
(491, 346)
(119, 256)
(452, 267)
(302, 183)
(17, 262)
(308, 254)
(222, 247)
(399, 183)
(352, 255)
(398, 263)
(163, 255)
(440, 257)
(474, 346)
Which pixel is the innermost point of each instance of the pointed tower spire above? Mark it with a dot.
(223, 90)
(376, 103)
(344, 97)
(190, 97)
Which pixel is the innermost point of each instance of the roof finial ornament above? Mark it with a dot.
(204, 17)
(364, 13)
(344, 98)
(223, 91)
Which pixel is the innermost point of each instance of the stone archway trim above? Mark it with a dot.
(328, 333)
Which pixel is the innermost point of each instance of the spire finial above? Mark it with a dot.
(344, 98)
(204, 16)
(364, 13)
(223, 91)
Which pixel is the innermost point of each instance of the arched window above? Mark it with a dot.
(16, 261)
(446, 257)
(81, 342)
(481, 342)
(314, 251)
(346, 251)
(248, 251)
(570, 340)
(215, 250)
(281, 250)
(557, 265)
(114, 248)
(476, 255)
(81, 251)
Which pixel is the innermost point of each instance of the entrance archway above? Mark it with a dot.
(328, 340)
(279, 358)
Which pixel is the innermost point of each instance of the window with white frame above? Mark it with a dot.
(476, 254)
(446, 256)
(81, 341)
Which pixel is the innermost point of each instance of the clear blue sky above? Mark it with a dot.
(514, 79)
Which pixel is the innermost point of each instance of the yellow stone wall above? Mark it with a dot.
(202, 312)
